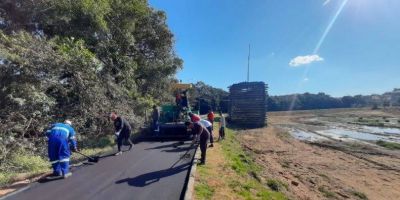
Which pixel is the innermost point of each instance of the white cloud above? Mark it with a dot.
(304, 60)
(306, 79)
(326, 2)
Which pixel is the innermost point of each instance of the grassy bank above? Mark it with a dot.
(230, 173)
(23, 165)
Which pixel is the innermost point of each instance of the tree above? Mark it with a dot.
(131, 39)
(209, 97)
(80, 59)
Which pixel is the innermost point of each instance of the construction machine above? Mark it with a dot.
(173, 116)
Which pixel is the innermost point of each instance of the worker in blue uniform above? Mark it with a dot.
(61, 136)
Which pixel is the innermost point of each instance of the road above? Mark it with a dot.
(151, 170)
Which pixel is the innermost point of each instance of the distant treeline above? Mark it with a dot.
(308, 101)
(205, 97)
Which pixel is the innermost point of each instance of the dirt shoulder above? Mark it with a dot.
(325, 171)
(230, 173)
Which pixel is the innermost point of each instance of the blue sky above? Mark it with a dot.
(360, 53)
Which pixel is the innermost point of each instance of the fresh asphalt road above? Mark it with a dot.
(151, 170)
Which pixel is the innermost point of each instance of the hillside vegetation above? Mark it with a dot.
(78, 59)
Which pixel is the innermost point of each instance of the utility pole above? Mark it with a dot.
(248, 66)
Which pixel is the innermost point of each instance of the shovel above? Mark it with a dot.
(90, 159)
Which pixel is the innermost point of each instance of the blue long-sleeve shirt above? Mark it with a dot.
(63, 130)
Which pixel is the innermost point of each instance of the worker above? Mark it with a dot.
(202, 133)
(208, 126)
(61, 136)
(210, 116)
(222, 124)
(194, 117)
(178, 99)
(184, 100)
(156, 116)
(122, 132)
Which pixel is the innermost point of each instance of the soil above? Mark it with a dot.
(331, 169)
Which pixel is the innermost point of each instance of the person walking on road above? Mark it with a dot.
(209, 127)
(200, 132)
(222, 124)
(122, 132)
(61, 136)
(156, 116)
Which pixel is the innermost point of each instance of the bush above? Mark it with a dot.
(45, 82)
(276, 185)
(30, 163)
(326, 192)
(360, 195)
(389, 145)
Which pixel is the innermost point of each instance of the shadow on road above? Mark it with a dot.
(107, 155)
(174, 145)
(152, 177)
(179, 149)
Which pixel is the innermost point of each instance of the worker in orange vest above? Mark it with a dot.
(210, 117)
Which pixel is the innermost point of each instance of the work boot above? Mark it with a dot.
(53, 176)
(67, 175)
(118, 153)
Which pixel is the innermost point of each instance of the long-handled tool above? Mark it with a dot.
(184, 156)
(90, 159)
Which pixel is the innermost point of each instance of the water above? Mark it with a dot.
(392, 135)
(307, 136)
(340, 133)
(380, 130)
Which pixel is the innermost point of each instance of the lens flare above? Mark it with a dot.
(316, 49)
(329, 27)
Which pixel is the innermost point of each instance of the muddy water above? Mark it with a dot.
(381, 130)
(344, 134)
(307, 136)
(360, 133)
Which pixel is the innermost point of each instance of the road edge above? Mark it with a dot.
(192, 174)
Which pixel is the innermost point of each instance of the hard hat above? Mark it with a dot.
(68, 122)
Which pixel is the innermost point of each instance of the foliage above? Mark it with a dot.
(327, 193)
(321, 100)
(79, 59)
(204, 191)
(276, 185)
(389, 145)
(204, 96)
(130, 39)
(360, 195)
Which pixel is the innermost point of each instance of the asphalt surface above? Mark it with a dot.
(151, 170)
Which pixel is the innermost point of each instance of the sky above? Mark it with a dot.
(339, 47)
